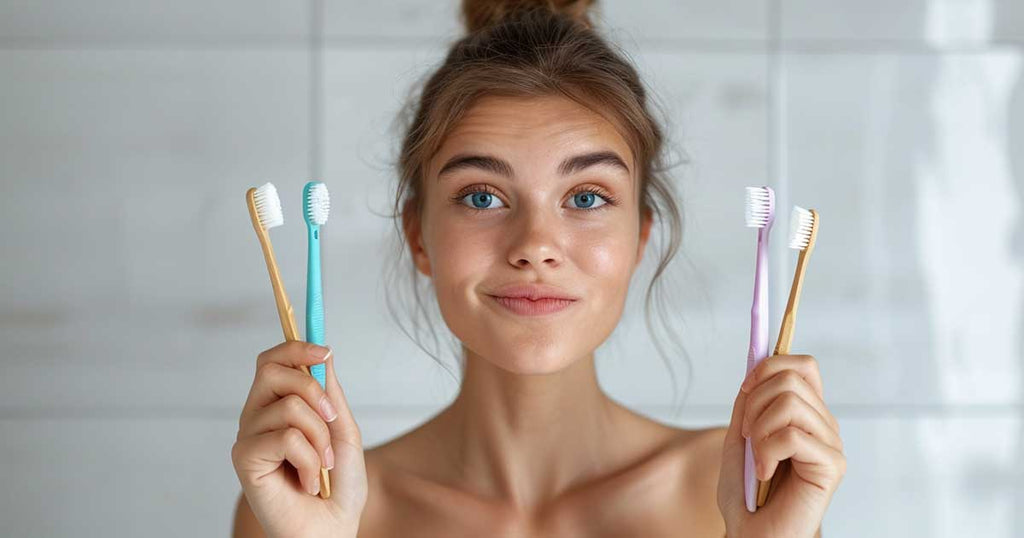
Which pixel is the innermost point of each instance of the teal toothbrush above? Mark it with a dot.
(315, 205)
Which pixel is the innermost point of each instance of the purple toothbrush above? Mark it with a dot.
(760, 214)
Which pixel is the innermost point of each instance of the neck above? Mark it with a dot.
(528, 438)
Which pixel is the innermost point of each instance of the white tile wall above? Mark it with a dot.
(135, 299)
(881, 23)
(144, 23)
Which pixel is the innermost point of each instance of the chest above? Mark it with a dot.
(648, 505)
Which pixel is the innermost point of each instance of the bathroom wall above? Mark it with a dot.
(134, 299)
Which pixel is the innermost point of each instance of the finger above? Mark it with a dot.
(805, 365)
(258, 456)
(292, 411)
(789, 409)
(274, 381)
(345, 436)
(735, 432)
(785, 381)
(812, 460)
(345, 428)
(293, 353)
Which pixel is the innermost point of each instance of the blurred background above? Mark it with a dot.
(135, 298)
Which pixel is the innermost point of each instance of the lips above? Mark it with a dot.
(533, 292)
(526, 307)
(533, 299)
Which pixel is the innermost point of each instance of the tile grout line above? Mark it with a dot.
(777, 173)
(316, 91)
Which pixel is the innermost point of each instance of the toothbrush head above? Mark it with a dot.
(803, 228)
(268, 206)
(760, 207)
(316, 203)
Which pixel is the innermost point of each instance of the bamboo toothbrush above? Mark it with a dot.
(265, 212)
(760, 214)
(803, 230)
(316, 204)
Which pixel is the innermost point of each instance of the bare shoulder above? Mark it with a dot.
(381, 473)
(405, 493)
(698, 453)
(702, 451)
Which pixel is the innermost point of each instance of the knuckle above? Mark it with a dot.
(790, 399)
(264, 371)
(312, 387)
(293, 438)
(790, 434)
(812, 363)
(293, 404)
(791, 378)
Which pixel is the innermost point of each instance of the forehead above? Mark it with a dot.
(548, 125)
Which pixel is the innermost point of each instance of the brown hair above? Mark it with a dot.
(533, 48)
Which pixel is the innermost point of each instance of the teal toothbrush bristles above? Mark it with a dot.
(315, 206)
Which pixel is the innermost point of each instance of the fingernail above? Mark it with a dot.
(315, 488)
(327, 410)
(329, 457)
(324, 352)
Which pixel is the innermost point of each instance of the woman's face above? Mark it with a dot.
(502, 208)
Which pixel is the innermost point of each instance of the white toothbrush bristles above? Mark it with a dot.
(318, 204)
(268, 206)
(759, 208)
(801, 222)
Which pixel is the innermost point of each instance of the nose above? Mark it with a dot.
(535, 240)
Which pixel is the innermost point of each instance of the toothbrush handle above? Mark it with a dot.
(782, 347)
(757, 352)
(314, 302)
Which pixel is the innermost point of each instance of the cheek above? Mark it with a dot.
(607, 258)
(459, 260)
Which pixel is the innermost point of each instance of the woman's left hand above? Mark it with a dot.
(781, 409)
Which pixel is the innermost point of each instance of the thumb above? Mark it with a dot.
(730, 487)
(348, 477)
(735, 434)
(343, 429)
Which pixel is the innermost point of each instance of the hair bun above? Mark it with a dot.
(479, 14)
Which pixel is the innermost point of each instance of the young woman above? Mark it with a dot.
(529, 180)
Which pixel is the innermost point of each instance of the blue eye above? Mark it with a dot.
(480, 199)
(587, 198)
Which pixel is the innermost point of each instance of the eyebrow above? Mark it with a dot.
(498, 166)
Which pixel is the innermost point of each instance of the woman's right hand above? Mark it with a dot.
(284, 419)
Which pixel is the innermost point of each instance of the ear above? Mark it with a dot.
(414, 237)
(645, 233)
